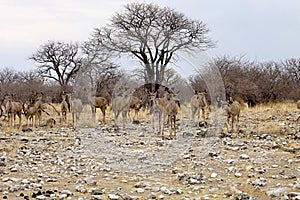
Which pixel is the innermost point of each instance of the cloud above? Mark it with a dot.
(39, 20)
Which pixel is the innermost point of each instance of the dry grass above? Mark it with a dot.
(273, 118)
(270, 118)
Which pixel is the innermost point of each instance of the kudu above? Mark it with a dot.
(76, 109)
(30, 113)
(98, 102)
(120, 104)
(13, 108)
(38, 106)
(166, 107)
(157, 110)
(171, 111)
(33, 112)
(233, 112)
(64, 108)
(135, 104)
(199, 103)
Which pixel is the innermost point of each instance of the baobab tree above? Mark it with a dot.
(152, 35)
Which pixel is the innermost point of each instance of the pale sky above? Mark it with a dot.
(262, 30)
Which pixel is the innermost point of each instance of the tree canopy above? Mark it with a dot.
(152, 34)
(58, 61)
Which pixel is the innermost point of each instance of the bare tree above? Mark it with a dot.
(7, 82)
(152, 34)
(292, 72)
(98, 71)
(30, 85)
(292, 67)
(58, 61)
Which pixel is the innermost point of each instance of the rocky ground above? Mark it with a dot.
(260, 161)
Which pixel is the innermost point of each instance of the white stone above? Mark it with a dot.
(165, 190)
(213, 175)
(113, 197)
(244, 156)
(275, 192)
(230, 169)
(140, 190)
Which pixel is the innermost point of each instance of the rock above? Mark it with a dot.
(90, 181)
(276, 192)
(113, 197)
(297, 185)
(67, 192)
(97, 197)
(13, 169)
(259, 182)
(206, 197)
(193, 181)
(141, 184)
(165, 190)
(140, 190)
(196, 188)
(244, 156)
(249, 168)
(63, 196)
(152, 196)
(97, 192)
(179, 191)
(213, 154)
(293, 195)
(126, 197)
(231, 169)
(241, 196)
(41, 197)
(14, 188)
(238, 174)
(213, 175)
(260, 170)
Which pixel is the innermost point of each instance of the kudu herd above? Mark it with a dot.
(164, 108)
